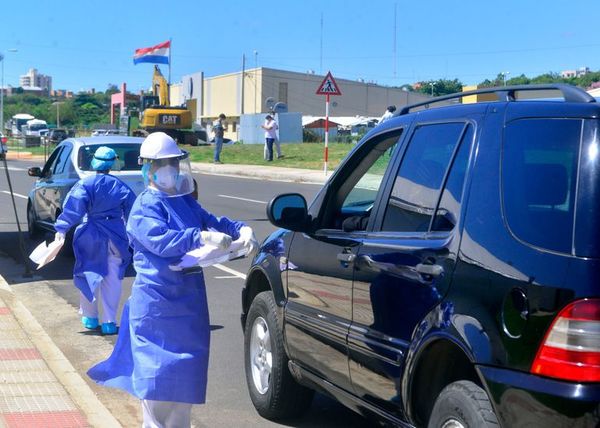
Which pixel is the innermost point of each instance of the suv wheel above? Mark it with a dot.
(274, 392)
(34, 231)
(462, 405)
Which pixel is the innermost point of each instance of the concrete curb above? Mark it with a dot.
(80, 392)
(11, 155)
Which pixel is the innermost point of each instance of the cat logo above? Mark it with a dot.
(169, 119)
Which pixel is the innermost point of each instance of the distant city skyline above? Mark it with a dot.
(469, 40)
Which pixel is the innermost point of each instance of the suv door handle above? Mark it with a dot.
(430, 270)
(346, 257)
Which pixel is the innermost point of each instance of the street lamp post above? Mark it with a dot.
(432, 84)
(57, 104)
(2, 91)
(9, 182)
(504, 74)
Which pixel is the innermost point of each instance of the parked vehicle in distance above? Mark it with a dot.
(100, 132)
(68, 163)
(57, 135)
(446, 275)
(36, 128)
(16, 123)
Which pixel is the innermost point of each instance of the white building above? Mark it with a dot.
(36, 80)
(581, 71)
(257, 90)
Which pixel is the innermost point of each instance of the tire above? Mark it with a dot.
(279, 396)
(465, 404)
(34, 230)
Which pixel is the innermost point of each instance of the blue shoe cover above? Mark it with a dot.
(109, 328)
(89, 323)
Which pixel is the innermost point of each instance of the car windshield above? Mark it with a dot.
(127, 156)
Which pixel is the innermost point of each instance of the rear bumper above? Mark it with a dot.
(524, 400)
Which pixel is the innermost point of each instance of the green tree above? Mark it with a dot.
(440, 87)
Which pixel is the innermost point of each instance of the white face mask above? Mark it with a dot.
(166, 177)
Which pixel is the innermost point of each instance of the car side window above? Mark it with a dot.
(351, 205)
(448, 211)
(416, 189)
(63, 160)
(51, 162)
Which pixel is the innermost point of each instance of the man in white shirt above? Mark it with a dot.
(388, 114)
(270, 127)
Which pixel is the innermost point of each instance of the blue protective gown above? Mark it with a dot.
(163, 345)
(99, 204)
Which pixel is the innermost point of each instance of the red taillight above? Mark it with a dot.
(571, 348)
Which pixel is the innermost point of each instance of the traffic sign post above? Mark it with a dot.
(327, 87)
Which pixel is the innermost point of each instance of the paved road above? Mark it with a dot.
(51, 297)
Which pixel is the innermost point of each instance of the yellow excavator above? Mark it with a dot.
(156, 114)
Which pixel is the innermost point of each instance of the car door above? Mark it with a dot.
(320, 264)
(405, 262)
(41, 199)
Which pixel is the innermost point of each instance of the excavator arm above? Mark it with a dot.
(160, 88)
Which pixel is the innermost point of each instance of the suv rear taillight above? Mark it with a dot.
(571, 348)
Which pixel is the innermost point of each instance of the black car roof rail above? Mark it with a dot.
(507, 93)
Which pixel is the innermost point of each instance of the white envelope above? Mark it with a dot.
(44, 254)
(209, 255)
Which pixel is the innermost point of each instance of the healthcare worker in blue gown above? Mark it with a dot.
(161, 354)
(98, 205)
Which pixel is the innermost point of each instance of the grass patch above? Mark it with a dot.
(14, 146)
(304, 155)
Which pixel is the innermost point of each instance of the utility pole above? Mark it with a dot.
(243, 78)
(395, 37)
(321, 54)
(255, 79)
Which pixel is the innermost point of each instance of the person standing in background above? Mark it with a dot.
(219, 130)
(270, 126)
(389, 113)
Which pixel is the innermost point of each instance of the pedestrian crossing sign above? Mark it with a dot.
(329, 86)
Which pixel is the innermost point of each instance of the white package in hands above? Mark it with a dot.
(208, 255)
(45, 253)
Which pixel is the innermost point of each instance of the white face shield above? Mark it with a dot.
(172, 176)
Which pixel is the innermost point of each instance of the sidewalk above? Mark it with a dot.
(263, 172)
(38, 386)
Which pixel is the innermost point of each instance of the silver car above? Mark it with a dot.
(70, 162)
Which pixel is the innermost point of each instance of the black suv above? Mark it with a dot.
(57, 135)
(447, 275)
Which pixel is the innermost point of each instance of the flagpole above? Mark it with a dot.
(169, 84)
(170, 43)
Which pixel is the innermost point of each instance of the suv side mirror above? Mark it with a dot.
(289, 211)
(34, 171)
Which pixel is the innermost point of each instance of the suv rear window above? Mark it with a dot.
(539, 177)
(128, 156)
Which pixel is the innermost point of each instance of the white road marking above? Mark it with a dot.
(14, 168)
(243, 199)
(16, 194)
(230, 271)
(226, 277)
